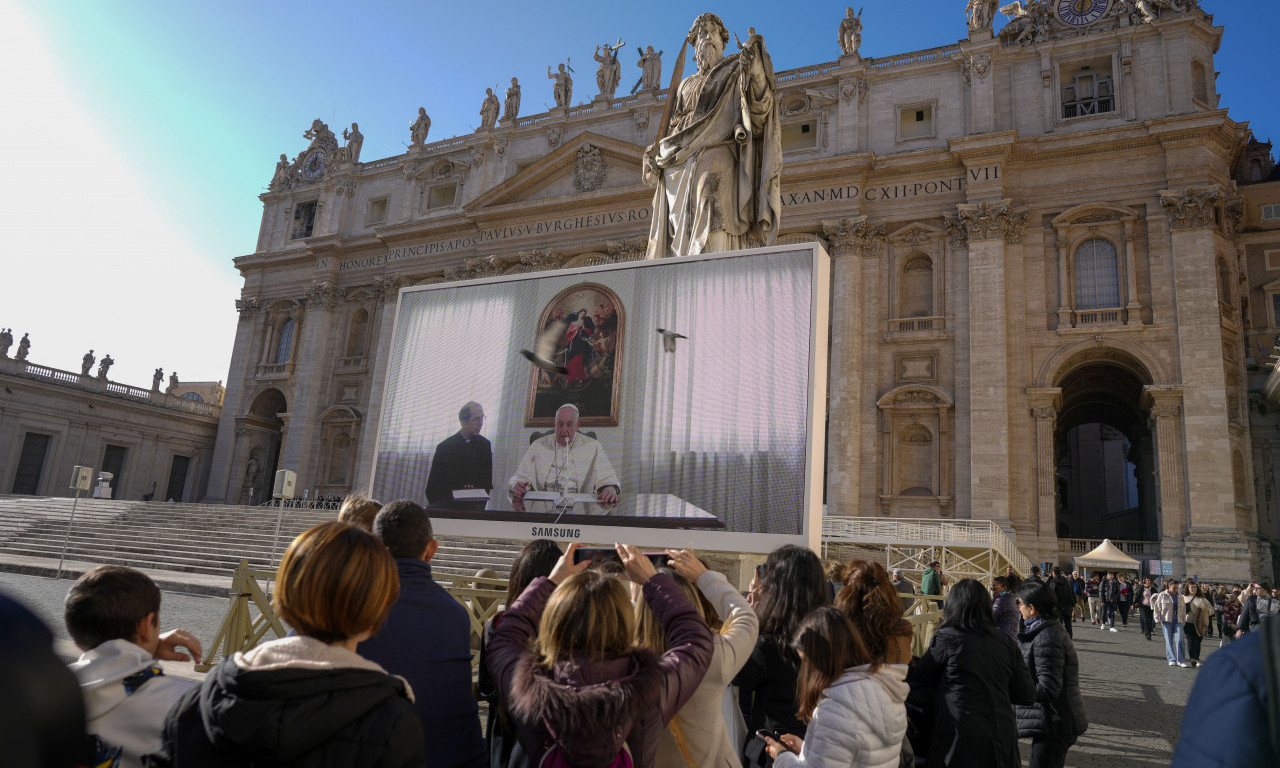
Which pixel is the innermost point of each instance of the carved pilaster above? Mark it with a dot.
(248, 308)
(627, 250)
(854, 236)
(1164, 404)
(987, 221)
(386, 289)
(324, 295)
(1191, 208)
(1045, 403)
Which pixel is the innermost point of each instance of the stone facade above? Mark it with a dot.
(158, 445)
(1029, 232)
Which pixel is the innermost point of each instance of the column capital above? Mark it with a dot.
(1192, 208)
(248, 307)
(324, 295)
(853, 236)
(987, 221)
(1045, 402)
(1164, 401)
(387, 289)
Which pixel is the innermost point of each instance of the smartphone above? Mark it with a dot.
(598, 555)
(765, 733)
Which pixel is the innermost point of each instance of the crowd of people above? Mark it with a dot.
(639, 659)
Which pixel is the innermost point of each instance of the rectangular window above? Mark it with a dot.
(442, 196)
(31, 463)
(377, 212)
(1087, 89)
(1271, 212)
(304, 220)
(1272, 259)
(799, 136)
(1274, 298)
(915, 121)
(177, 478)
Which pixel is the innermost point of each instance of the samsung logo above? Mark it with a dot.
(556, 533)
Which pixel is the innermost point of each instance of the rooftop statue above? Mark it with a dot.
(980, 14)
(650, 64)
(6, 341)
(24, 347)
(321, 137)
(563, 88)
(850, 32)
(489, 109)
(155, 379)
(610, 71)
(86, 363)
(418, 131)
(355, 140)
(718, 156)
(104, 365)
(511, 105)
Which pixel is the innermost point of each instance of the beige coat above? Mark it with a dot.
(701, 721)
(1198, 612)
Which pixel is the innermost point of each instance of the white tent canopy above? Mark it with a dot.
(1107, 556)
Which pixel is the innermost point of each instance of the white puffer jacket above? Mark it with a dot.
(860, 721)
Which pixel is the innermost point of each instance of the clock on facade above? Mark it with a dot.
(313, 164)
(1081, 13)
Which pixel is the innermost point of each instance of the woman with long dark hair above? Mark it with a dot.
(975, 674)
(536, 559)
(854, 706)
(1057, 718)
(792, 584)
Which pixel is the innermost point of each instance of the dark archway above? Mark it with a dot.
(259, 448)
(1105, 460)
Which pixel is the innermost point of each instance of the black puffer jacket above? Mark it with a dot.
(1058, 713)
(974, 677)
(297, 702)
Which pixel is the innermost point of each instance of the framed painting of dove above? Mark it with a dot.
(577, 355)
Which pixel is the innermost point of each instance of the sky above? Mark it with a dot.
(139, 133)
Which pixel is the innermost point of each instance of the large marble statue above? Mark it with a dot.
(24, 346)
(321, 136)
(717, 163)
(489, 109)
(6, 341)
(282, 175)
(650, 65)
(104, 366)
(155, 379)
(563, 88)
(355, 140)
(418, 131)
(980, 14)
(173, 384)
(610, 71)
(511, 105)
(86, 363)
(851, 32)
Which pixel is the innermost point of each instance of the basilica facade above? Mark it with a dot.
(1051, 294)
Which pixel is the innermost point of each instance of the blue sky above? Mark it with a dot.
(140, 133)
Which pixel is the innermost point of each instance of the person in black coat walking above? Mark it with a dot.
(975, 673)
(1057, 717)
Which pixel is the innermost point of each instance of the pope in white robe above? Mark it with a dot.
(567, 461)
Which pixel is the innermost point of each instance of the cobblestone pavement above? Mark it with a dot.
(1134, 699)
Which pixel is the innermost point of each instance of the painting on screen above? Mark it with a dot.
(587, 322)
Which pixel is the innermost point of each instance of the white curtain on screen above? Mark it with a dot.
(721, 422)
(447, 353)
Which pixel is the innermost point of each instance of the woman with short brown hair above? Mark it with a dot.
(308, 700)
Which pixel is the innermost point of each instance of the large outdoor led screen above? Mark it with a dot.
(712, 430)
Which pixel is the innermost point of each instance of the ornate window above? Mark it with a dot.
(284, 342)
(1199, 83)
(916, 452)
(915, 290)
(1097, 277)
(358, 334)
(1087, 88)
(915, 287)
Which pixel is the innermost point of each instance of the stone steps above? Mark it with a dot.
(188, 547)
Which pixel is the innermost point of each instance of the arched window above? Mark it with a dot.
(358, 333)
(193, 396)
(915, 289)
(284, 346)
(1097, 281)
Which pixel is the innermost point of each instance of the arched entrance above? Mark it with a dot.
(258, 450)
(1104, 463)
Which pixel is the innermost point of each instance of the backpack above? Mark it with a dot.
(554, 758)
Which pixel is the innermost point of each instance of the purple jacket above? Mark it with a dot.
(589, 708)
(1005, 612)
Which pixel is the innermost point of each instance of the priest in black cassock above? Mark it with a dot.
(462, 460)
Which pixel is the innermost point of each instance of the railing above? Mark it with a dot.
(1110, 316)
(447, 143)
(127, 391)
(304, 504)
(1131, 547)
(914, 324)
(376, 164)
(924, 532)
(1088, 106)
(275, 370)
(67, 377)
(787, 75)
(88, 383)
(357, 363)
(919, 57)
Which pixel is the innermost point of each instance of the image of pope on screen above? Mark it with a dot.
(566, 462)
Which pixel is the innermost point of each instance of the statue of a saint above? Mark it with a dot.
(650, 65)
(563, 88)
(718, 165)
(981, 13)
(850, 32)
(489, 109)
(155, 379)
(355, 140)
(24, 346)
(281, 178)
(173, 384)
(86, 363)
(418, 131)
(6, 341)
(511, 106)
(104, 366)
(610, 71)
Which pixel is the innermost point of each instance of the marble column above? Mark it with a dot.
(388, 290)
(850, 463)
(1164, 403)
